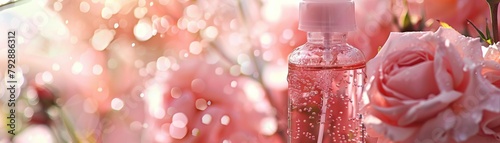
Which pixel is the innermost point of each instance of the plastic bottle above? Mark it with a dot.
(326, 76)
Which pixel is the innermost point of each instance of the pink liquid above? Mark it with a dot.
(324, 104)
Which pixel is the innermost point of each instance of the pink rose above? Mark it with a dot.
(491, 70)
(490, 123)
(204, 103)
(424, 87)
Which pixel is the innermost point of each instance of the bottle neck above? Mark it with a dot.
(327, 37)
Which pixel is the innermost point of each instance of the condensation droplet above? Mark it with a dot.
(140, 12)
(117, 104)
(192, 26)
(225, 120)
(201, 104)
(195, 48)
(77, 68)
(163, 63)
(56, 67)
(193, 11)
(266, 40)
(161, 25)
(206, 119)
(102, 38)
(58, 6)
(47, 77)
(195, 132)
(106, 13)
(176, 132)
(135, 125)
(28, 112)
(268, 126)
(143, 30)
(175, 92)
(210, 33)
(97, 69)
(234, 84)
(84, 7)
(114, 6)
(179, 120)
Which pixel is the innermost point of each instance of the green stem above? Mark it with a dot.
(494, 17)
(68, 125)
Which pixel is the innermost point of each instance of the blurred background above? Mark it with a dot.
(176, 70)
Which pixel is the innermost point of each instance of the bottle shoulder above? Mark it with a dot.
(333, 55)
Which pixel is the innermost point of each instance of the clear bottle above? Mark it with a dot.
(326, 77)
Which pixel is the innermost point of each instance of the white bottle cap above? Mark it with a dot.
(326, 16)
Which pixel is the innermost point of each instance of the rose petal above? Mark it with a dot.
(466, 126)
(394, 133)
(436, 129)
(466, 47)
(398, 41)
(492, 53)
(443, 78)
(378, 96)
(391, 93)
(491, 123)
(390, 115)
(491, 72)
(481, 139)
(416, 82)
(428, 108)
(373, 66)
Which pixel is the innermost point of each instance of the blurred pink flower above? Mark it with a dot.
(456, 12)
(423, 87)
(203, 103)
(374, 23)
(145, 23)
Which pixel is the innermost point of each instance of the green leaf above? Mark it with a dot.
(488, 34)
(406, 24)
(481, 34)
